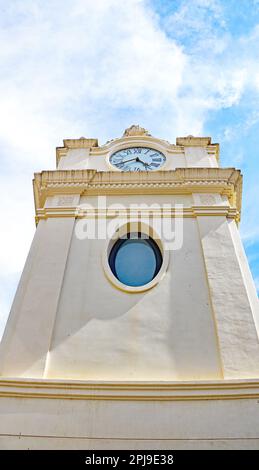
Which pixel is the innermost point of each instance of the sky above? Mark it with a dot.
(72, 68)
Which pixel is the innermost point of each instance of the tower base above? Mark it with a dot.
(48, 414)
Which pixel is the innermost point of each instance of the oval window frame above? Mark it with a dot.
(122, 231)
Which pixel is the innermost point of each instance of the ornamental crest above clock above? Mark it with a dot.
(135, 130)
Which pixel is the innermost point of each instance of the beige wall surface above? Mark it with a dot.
(158, 334)
(66, 424)
(69, 321)
(24, 347)
(228, 283)
(65, 443)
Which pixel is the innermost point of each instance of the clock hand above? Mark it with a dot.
(144, 163)
(126, 161)
(130, 160)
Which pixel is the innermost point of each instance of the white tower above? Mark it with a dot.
(135, 322)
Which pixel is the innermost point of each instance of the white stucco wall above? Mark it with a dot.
(66, 424)
(69, 321)
(26, 340)
(228, 284)
(166, 333)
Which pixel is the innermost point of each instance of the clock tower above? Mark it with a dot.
(135, 322)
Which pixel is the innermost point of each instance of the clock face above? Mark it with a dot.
(137, 159)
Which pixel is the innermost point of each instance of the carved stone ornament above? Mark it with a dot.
(207, 199)
(135, 130)
(65, 200)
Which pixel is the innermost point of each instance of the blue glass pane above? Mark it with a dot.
(135, 262)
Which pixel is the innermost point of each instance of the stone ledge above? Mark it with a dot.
(81, 143)
(191, 141)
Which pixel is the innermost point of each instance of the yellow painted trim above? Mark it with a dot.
(187, 212)
(226, 384)
(129, 391)
(223, 181)
(53, 396)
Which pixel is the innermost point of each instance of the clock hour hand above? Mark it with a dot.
(146, 165)
(141, 161)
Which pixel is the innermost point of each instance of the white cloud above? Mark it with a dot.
(68, 61)
(202, 23)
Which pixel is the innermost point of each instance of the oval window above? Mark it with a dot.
(135, 259)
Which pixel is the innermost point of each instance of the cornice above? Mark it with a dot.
(129, 391)
(224, 181)
(81, 143)
(192, 211)
(213, 149)
(191, 141)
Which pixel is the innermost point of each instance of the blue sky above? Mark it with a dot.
(76, 68)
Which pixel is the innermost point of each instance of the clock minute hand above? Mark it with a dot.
(126, 161)
(131, 159)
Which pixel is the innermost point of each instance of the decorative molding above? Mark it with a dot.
(213, 150)
(135, 140)
(191, 141)
(136, 135)
(78, 212)
(60, 152)
(207, 199)
(135, 130)
(65, 201)
(129, 391)
(223, 181)
(81, 143)
(62, 201)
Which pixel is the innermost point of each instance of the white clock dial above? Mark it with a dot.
(137, 159)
